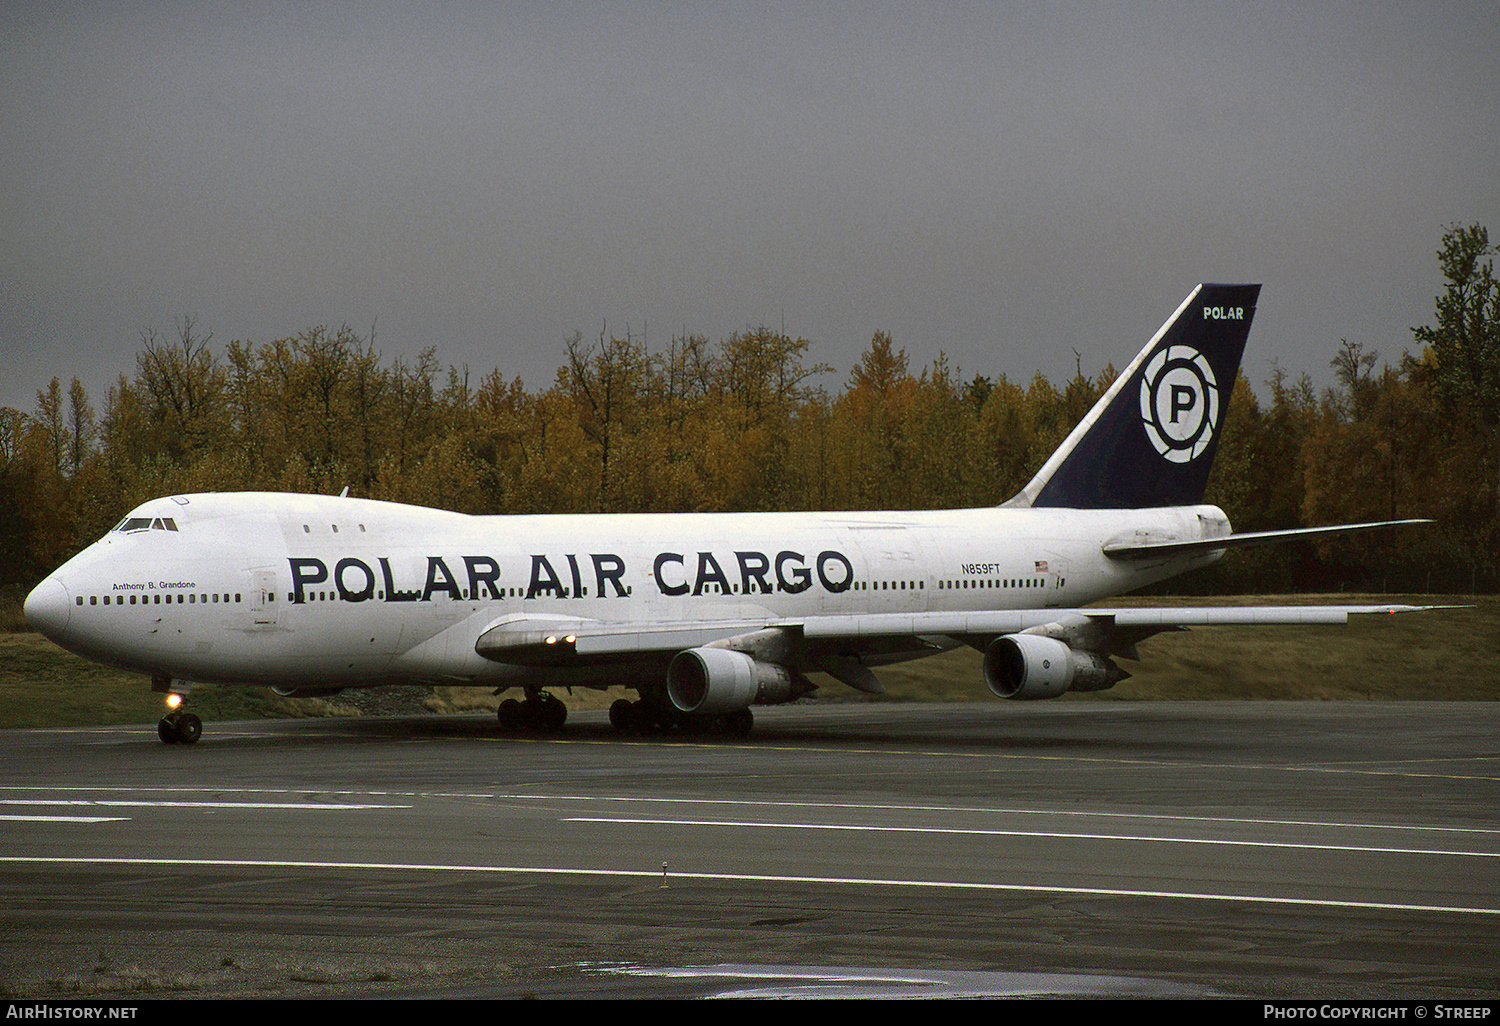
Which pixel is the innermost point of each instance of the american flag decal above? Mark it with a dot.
(1041, 566)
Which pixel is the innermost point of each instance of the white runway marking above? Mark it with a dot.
(824, 881)
(1056, 835)
(164, 804)
(993, 811)
(64, 819)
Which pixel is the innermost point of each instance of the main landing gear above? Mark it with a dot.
(541, 711)
(649, 717)
(176, 727)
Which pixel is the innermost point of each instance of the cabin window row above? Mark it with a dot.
(155, 599)
(715, 589)
(994, 582)
(464, 594)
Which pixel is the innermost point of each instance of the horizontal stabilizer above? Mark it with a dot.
(1164, 549)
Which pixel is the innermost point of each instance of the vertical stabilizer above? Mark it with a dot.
(1150, 439)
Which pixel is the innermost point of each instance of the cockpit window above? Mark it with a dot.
(132, 524)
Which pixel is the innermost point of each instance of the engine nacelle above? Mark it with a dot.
(721, 680)
(1028, 666)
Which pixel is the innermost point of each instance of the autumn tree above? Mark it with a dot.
(21, 503)
(756, 387)
(182, 390)
(1002, 459)
(1464, 341)
(875, 454)
(606, 381)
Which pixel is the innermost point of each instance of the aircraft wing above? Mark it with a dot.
(553, 641)
(1113, 631)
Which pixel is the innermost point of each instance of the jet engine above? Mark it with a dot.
(1035, 666)
(721, 680)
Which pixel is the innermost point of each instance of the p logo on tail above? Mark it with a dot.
(1179, 403)
(1150, 439)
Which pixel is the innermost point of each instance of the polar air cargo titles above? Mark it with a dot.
(704, 615)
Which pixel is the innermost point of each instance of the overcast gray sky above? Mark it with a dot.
(1002, 182)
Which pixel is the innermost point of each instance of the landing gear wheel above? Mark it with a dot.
(739, 723)
(622, 715)
(552, 713)
(649, 718)
(189, 729)
(541, 712)
(509, 715)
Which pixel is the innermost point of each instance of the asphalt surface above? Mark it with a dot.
(1265, 850)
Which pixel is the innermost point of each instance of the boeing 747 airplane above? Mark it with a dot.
(704, 615)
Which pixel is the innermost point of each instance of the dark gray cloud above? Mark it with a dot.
(1002, 183)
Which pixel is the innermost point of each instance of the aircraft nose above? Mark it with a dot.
(48, 607)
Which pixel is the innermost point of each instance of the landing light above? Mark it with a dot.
(173, 701)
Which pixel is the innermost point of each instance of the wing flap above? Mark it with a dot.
(547, 641)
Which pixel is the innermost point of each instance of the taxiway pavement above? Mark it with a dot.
(1266, 850)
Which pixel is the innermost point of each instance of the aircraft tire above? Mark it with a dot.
(648, 719)
(552, 713)
(509, 715)
(189, 729)
(739, 723)
(166, 730)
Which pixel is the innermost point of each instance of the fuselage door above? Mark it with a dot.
(263, 598)
(1056, 570)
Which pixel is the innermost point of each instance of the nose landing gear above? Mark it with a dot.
(176, 727)
(179, 728)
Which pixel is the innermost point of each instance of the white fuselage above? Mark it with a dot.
(312, 591)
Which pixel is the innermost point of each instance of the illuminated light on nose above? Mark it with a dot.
(174, 700)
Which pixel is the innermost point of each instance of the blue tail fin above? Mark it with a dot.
(1149, 441)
